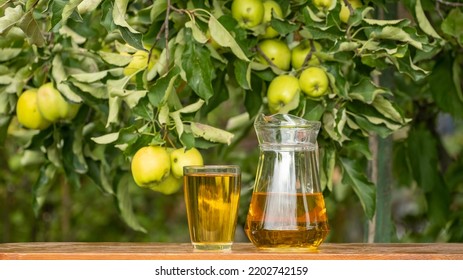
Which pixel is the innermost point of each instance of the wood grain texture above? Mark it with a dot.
(240, 251)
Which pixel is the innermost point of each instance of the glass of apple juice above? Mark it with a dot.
(212, 194)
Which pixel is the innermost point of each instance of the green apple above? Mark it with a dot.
(301, 51)
(271, 8)
(169, 185)
(281, 91)
(73, 110)
(344, 14)
(150, 165)
(324, 5)
(276, 51)
(248, 13)
(27, 111)
(53, 106)
(182, 157)
(314, 82)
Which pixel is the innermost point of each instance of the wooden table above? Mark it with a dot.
(240, 251)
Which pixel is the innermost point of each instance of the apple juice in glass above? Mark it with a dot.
(212, 194)
(287, 208)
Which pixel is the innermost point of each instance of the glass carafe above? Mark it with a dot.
(287, 207)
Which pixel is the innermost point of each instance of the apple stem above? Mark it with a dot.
(349, 6)
(167, 138)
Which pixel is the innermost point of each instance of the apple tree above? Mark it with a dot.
(195, 74)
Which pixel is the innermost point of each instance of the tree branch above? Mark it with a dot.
(448, 3)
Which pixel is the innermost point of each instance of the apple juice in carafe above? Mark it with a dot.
(287, 208)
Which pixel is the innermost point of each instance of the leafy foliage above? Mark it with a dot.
(208, 61)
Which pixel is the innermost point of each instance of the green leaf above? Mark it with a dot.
(78, 160)
(457, 81)
(312, 32)
(159, 8)
(70, 162)
(221, 35)
(364, 189)
(31, 28)
(10, 18)
(62, 10)
(199, 70)
(124, 202)
(90, 77)
(347, 46)
(107, 17)
(333, 124)
(87, 6)
(198, 34)
(283, 27)
(191, 108)
(365, 91)
(42, 186)
(97, 90)
(113, 20)
(387, 109)
(60, 75)
(114, 106)
(252, 98)
(439, 204)
(443, 88)
(97, 173)
(311, 16)
(328, 162)
(119, 15)
(160, 91)
(401, 166)
(384, 22)
(424, 167)
(406, 66)
(57, 7)
(423, 21)
(313, 110)
(7, 54)
(369, 127)
(392, 126)
(132, 97)
(179, 127)
(360, 145)
(396, 34)
(211, 133)
(163, 115)
(144, 109)
(4, 124)
(452, 25)
(115, 58)
(107, 138)
(66, 31)
(242, 73)
(133, 39)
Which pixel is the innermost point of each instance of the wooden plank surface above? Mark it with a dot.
(240, 251)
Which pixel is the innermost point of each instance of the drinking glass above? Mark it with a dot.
(212, 194)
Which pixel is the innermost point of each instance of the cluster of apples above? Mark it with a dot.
(39, 108)
(161, 169)
(299, 66)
